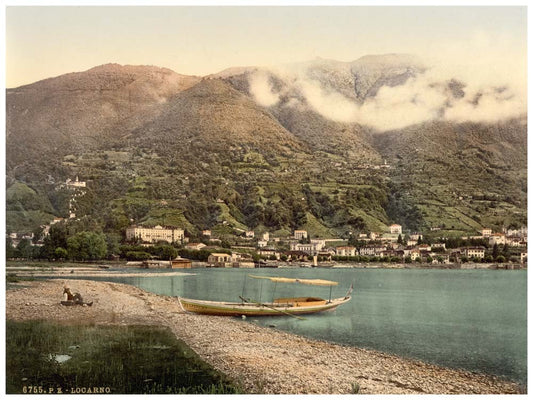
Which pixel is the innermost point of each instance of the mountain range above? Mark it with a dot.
(331, 147)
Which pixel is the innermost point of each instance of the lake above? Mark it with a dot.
(470, 319)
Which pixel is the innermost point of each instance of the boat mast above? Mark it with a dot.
(243, 285)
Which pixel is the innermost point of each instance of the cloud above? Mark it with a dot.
(491, 71)
(261, 89)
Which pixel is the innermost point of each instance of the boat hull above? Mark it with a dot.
(259, 309)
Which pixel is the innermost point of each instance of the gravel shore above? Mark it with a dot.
(261, 360)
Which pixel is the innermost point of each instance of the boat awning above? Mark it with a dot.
(318, 282)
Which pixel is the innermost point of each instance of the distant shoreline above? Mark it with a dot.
(117, 269)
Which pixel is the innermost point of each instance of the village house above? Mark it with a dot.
(372, 250)
(250, 234)
(486, 232)
(523, 257)
(395, 229)
(522, 232)
(206, 232)
(438, 246)
(308, 248)
(219, 260)
(473, 252)
(515, 241)
(265, 236)
(76, 183)
(319, 243)
(424, 247)
(416, 236)
(267, 252)
(299, 234)
(497, 238)
(195, 246)
(242, 260)
(155, 234)
(345, 251)
(262, 243)
(389, 237)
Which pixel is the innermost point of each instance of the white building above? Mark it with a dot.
(195, 246)
(75, 184)
(346, 251)
(396, 229)
(299, 234)
(372, 250)
(471, 252)
(319, 243)
(497, 238)
(155, 234)
(438, 246)
(309, 248)
(486, 232)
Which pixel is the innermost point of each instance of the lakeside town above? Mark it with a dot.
(507, 249)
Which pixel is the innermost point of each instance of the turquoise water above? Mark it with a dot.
(472, 319)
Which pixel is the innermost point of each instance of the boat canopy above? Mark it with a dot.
(319, 282)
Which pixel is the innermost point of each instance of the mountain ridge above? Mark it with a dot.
(146, 136)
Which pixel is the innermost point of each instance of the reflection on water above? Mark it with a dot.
(475, 320)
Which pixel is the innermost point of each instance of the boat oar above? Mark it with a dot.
(273, 308)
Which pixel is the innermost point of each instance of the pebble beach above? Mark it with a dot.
(260, 360)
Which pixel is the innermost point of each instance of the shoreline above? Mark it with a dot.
(261, 360)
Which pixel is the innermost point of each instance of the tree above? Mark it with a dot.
(24, 249)
(400, 239)
(506, 252)
(166, 252)
(429, 259)
(37, 234)
(495, 251)
(113, 244)
(10, 250)
(87, 246)
(60, 253)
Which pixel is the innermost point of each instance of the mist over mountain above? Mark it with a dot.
(331, 147)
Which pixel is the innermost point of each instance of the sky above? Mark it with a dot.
(48, 41)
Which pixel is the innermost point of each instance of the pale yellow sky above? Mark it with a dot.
(42, 42)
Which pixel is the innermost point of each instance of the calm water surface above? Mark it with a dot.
(475, 320)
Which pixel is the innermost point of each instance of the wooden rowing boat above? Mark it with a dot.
(295, 306)
(278, 307)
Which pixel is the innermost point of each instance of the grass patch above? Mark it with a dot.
(126, 360)
(14, 278)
